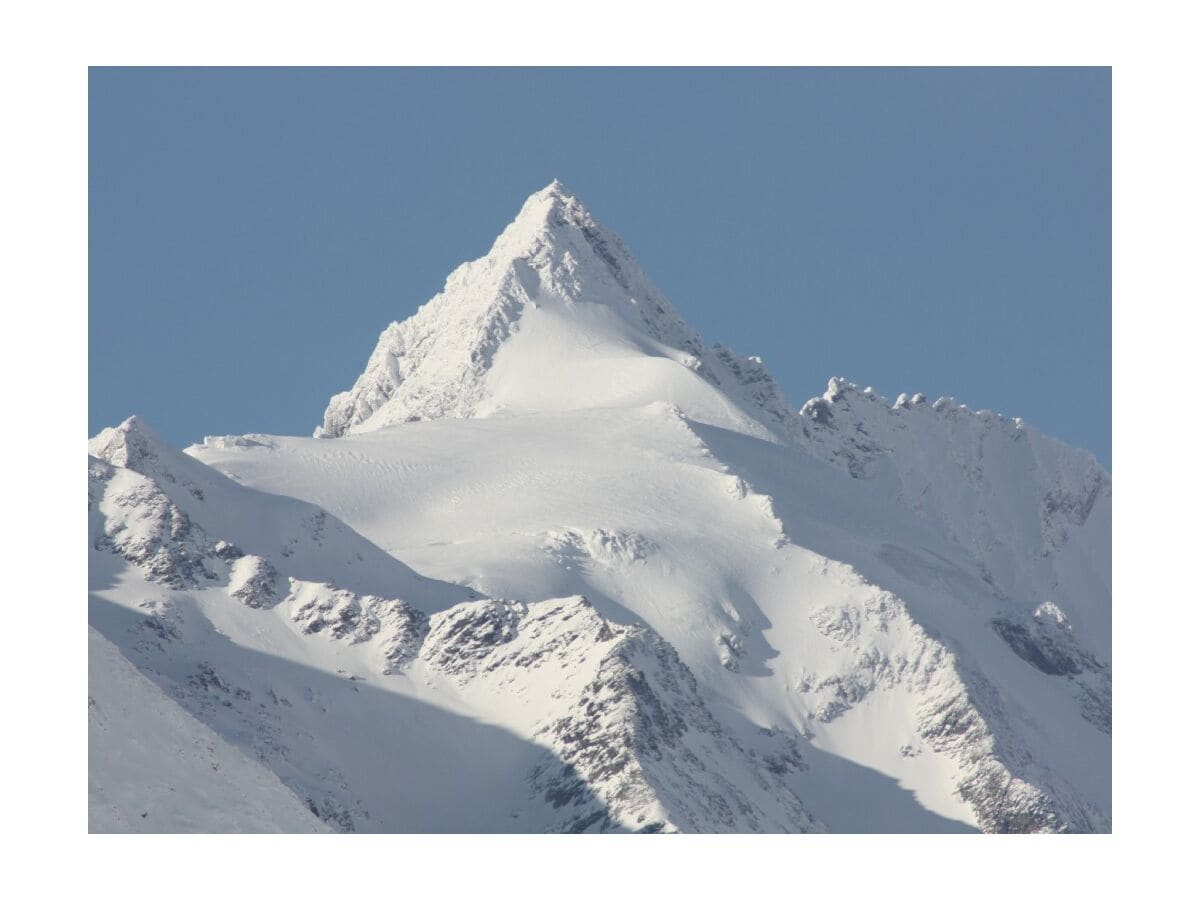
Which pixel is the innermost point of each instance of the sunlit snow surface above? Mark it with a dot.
(652, 596)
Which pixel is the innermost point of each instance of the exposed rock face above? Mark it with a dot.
(641, 723)
(254, 582)
(1047, 642)
(633, 743)
(392, 625)
(462, 639)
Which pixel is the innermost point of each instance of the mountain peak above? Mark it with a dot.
(560, 293)
(549, 217)
(555, 190)
(127, 445)
(554, 193)
(538, 206)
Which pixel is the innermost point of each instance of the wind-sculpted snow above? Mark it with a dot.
(863, 615)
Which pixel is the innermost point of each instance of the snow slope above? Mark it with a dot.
(154, 768)
(653, 595)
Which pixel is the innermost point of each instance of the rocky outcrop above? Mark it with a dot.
(394, 627)
(633, 743)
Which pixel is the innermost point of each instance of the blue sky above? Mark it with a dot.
(943, 231)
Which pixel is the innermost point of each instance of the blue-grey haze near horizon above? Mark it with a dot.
(937, 230)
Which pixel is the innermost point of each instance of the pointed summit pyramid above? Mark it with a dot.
(557, 316)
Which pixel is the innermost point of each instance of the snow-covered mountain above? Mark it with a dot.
(653, 595)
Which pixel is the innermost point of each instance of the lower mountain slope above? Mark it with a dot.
(152, 767)
(440, 711)
(809, 602)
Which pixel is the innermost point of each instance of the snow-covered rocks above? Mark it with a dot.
(633, 744)
(601, 546)
(464, 637)
(391, 625)
(135, 518)
(642, 740)
(558, 292)
(254, 581)
(1047, 642)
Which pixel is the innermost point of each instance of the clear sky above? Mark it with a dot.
(943, 231)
